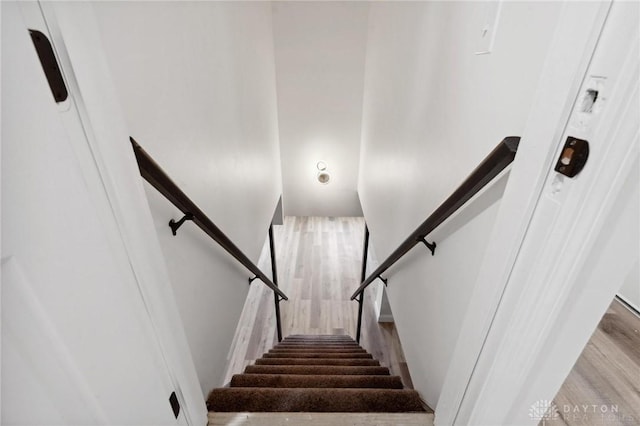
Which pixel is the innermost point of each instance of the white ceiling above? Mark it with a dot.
(320, 52)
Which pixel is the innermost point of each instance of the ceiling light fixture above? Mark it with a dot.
(323, 175)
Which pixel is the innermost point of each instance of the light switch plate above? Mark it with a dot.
(487, 32)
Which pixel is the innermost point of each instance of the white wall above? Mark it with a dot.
(197, 84)
(381, 307)
(630, 290)
(429, 295)
(432, 110)
(320, 50)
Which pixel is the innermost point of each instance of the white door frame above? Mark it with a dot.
(502, 309)
(109, 167)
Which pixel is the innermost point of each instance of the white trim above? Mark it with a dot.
(385, 318)
(577, 32)
(627, 294)
(629, 305)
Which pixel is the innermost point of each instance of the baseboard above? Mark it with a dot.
(630, 306)
(385, 318)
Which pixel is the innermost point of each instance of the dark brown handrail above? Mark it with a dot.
(491, 166)
(153, 173)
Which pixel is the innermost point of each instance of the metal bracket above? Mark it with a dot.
(359, 299)
(384, 280)
(255, 277)
(176, 225)
(280, 298)
(430, 246)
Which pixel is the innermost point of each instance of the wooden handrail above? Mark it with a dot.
(491, 166)
(153, 173)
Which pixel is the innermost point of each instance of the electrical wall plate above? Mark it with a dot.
(487, 33)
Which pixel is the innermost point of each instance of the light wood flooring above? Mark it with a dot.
(319, 261)
(603, 387)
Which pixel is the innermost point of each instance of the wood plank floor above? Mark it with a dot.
(319, 260)
(603, 387)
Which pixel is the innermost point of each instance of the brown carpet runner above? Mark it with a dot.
(324, 373)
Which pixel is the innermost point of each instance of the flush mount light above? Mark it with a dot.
(323, 175)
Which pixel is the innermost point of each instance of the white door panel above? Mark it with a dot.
(82, 339)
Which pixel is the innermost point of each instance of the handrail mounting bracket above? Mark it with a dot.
(176, 225)
(430, 246)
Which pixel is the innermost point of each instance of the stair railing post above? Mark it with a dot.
(274, 276)
(363, 276)
(360, 300)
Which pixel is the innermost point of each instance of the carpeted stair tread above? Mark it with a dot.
(314, 400)
(311, 350)
(319, 337)
(336, 337)
(326, 341)
(318, 346)
(328, 373)
(319, 342)
(315, 381)
(317, 355)
(316, 369)
(316, 361)
(318, 349)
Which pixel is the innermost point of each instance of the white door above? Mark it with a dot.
(581, 242)
(78, 346)
(564, 245)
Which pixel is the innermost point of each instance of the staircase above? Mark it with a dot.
(326, 373)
